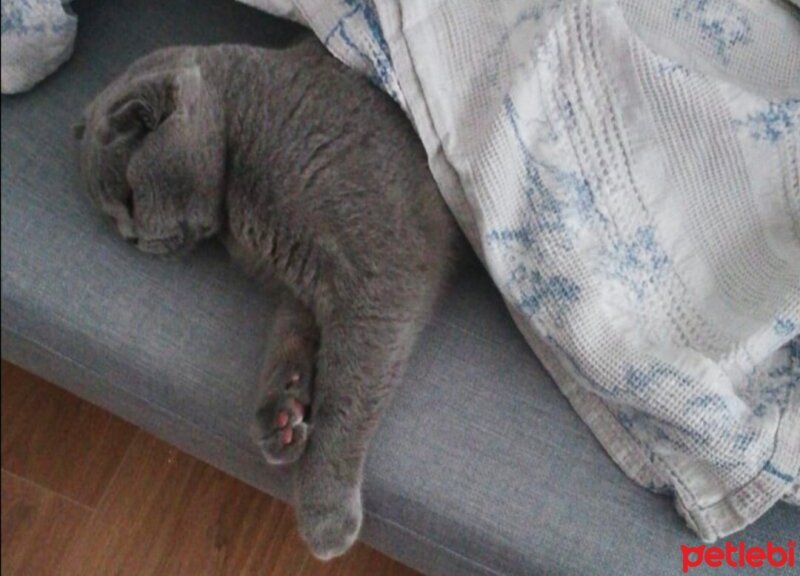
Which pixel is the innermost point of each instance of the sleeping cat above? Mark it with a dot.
(316, 183)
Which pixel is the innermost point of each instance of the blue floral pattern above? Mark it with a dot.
(359, 17)
(722, 22)
(17, 18)
(637, 263)
(774, 122)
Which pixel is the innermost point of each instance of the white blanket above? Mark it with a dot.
(629, 172)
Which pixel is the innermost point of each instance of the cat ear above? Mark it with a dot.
(141, 106)
(132, 114)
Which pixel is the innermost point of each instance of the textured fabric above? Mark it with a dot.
(479, 467)
(37, 38)
(629, 173)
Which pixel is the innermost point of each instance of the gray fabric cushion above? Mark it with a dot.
(479, 467)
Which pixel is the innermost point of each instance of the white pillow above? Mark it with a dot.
(37, 38)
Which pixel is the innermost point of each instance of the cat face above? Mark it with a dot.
(153, 156)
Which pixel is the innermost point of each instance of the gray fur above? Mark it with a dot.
(315, 182)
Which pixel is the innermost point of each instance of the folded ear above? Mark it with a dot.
(132, 114)
(139, 106)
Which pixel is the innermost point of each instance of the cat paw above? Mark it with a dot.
(330, 531)
(281, 428)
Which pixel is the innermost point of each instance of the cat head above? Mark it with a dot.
(153, 154)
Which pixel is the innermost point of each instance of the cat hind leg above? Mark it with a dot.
(282, 424)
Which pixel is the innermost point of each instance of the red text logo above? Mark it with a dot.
(738, 556)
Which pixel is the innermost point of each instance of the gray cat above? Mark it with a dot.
(315, 182)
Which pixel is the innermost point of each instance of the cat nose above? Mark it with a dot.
(132, 240)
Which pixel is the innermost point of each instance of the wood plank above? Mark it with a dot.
(37, 527)
(167, 513)
(57, 440)
(241, 531)
(360, 561)
(286, 554)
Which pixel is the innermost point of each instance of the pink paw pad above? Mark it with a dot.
(283, 419)
(287, 419)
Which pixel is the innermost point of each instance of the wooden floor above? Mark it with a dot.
(86, 493)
